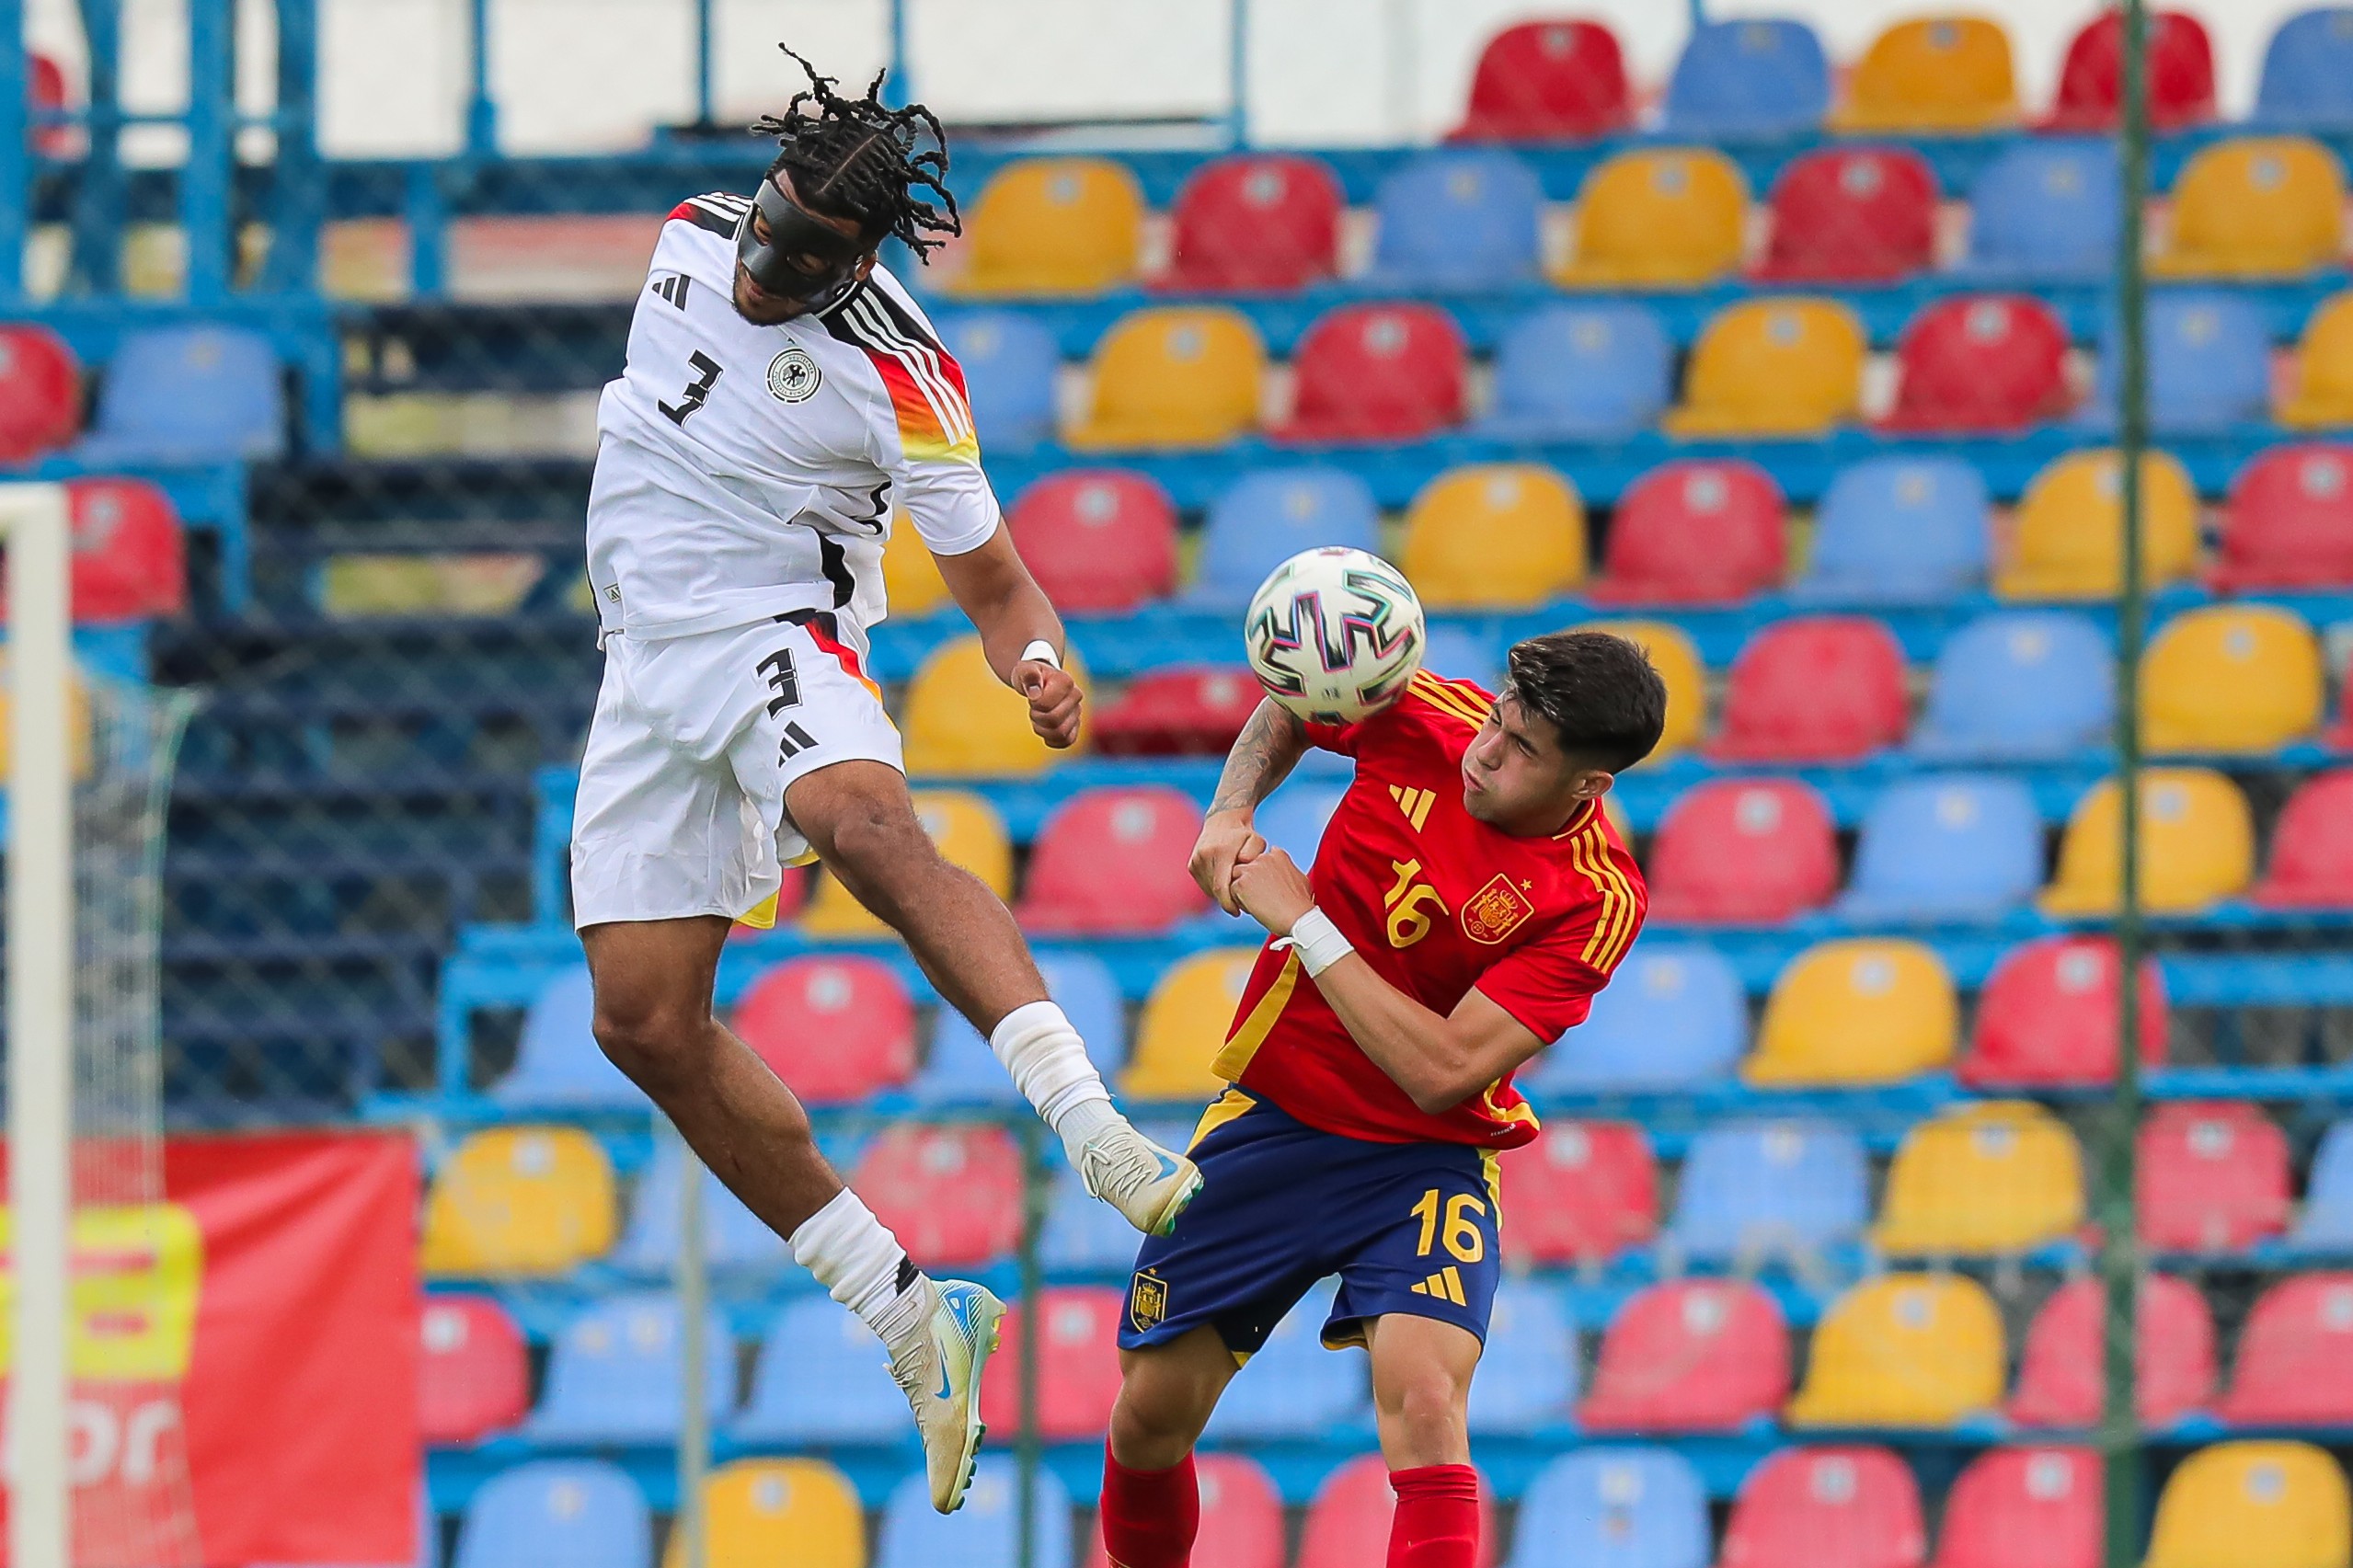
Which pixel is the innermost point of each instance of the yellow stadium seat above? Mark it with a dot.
(1773, 367)
(1054, 227)
(2068, 542)
(2230, 678)
(2261, 1505)
(2255, 207)
(1659, 218)
(912, 585)
(962, 722)
(968, 832)
(1904, 1350)
(1494, 537)
(2322, 393)
(1998, 1177)
(1870, 1010)
(1184, 1027)
(1174, 376)
(2196, 845)
(519, 1200)
(1676, 657)
(759, 1513)
(1932, 74)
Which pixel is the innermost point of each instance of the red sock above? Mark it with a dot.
(1150, 1516)
(1437, 1524)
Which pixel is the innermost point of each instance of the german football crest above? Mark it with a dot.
(1496, 910)
(1147, 1301)
(793, 376)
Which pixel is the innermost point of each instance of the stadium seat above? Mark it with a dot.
(576, 1513)
(837, 1026)
(1556, 80)
(1690, 1356)
(1390, 371)
(2321, 388)
(1760, 77)
(961, 1065)
(1011, 362)
(2212, 1178)
(40, 393)
(1955, 847)
(1851, 215)
(1078, 1365)
(1765, 368)
(2038, 1507)
(1982, 364)
(2293, 1368)
(734, 1237)
(1241, 1515)
(1590, 370)
(1460, 652)
(1695, 530)
(1184, 1024)
(1530, 1361)
(474, 1377)
(2059, 1373)
(1582, 1193)
(129, 560)
(2046, 1017)
(1658, 218)
(2253, 1504)
(519, 1201)
(1098, 541)
(1752, 851)
(962, 722)
(1271, 515)
(1830, 1507)
(1294, 1388)
(1676, 657)
(47, 92)
(1173, 376)
(1903, 1350)
(2179, 66)
(189, 395)
(1459, 219)
(1112, 861)
(951, 1193)
(2307, 73)
(558, 1065)
(1613, 1506)
(2045, 211)
(2068, 534)
(2210, 365)
(766, 1511)
(1997, 1176)
(1494, 537)
(1294, 817)
(614, 1377)
(912, 585)
(2255, 207)
(1932, 74)
(1255, 222)
(1084, 1236)
(1753, 1190)
(1054, 227)
(984, 1532)
(1813, 690)
(2325, 1222)
(821, 1378)
(2289, 522)
(2237, 677)
(1180, 711)
(2017, 685)
(1348, 1523)
(1866, 1010)
(968, 833)
(2196, 845)
(1900, 531)
(2311, 865)
(1673, 1016)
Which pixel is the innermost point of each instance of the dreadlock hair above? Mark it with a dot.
(856, 158)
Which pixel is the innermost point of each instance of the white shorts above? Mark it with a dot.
(680, 809)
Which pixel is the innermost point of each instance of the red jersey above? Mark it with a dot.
(1437, 902)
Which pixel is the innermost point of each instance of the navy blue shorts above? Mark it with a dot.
(1408, 1228)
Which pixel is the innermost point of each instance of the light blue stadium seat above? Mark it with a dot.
(612, 1376)
(1596, 370)
(2307, 73)
(1960, 847)
(734, 1237)
(1761, 76)
(962, 1068)
(1674, 1015)
(985, 1532)
(1268, 517)
(2046, 210)
(1457, 219)
(1899, 529)
(1613, 1506)
(1463, 653)
(558, 1065)
(2326, 1219)
(1294, 818)
(2209, 364)
(1010, 364)
(1293, 1386)
(2019, 685)
(1528, 1375)
(821, 1378)
(1782, 1188)
(189, 394)
(1084, 1235)
(558, 1514)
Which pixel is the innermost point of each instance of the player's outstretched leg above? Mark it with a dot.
(1421, 1391)
(1152, 1504)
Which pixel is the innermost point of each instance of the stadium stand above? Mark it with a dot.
(1752, 1190)
(1663, 218)
(1903, 1350)
(40, 407)
(1851, 1507)
(1376, 372)
(2285, 523)
(1582, 1192)
(474, 1377)
(772, 1510)
(1748, 78)
(1542, 80)
(1694, 532)
(1859, 1011)
(1260, 221)
(2024, 1509)
(1783, 367)
(520, 1201)
(574, 1511)
(1691, 1355)
(1495, 538)
(1104, 542)
(1939, 73)
(1641, 1507)
(1862, 215)
(2180, 66)
(2059, 1375)
(1055, 226)
(2267, 1505)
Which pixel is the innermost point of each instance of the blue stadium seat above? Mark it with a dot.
(613, 1375)
(1293, 1386)
(962, 1068)
(1760, 77)
(1528, 1375)
(2020, 685)
(1794, 1187)
(1010, 364)
(1292, 819)
(985, 1532)
(558, 1514)
(2325, 1222)
(1271, 515)
(734, 1237)
(821, 1378)
(1673, 1016)
(558, 1065)
(1084, 1235)
(1960, 847)
(2045, 210)
(2209, 364)
(1899, 529)
(1613, 1506)
(1458, 218)
(2307, 73)
(189, 394)
(1598, 370)
(1461, 653)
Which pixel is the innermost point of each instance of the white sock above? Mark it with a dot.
(1051, 1067)
(863, 1266)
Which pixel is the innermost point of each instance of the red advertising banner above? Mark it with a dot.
(245, 1358)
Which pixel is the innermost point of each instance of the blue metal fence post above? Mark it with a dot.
(206, 184)
(1238, 74)
(99, 215)
(704, 113)
(899, 90)
(481, 109)
(298, 183)
(16, 157)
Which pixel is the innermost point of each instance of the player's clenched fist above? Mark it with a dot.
(1227, 841)
(1054, 701)
(1273, 891)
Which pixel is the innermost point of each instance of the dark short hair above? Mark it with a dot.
(1600, 691)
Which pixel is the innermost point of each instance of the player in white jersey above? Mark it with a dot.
(783, 397)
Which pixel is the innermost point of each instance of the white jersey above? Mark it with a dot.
(745, 472)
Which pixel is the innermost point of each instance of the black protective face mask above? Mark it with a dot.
(792, 233)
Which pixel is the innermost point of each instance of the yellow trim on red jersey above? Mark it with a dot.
(1222, 1110)
(1614, 931)
(1449, 699)
(1491, 1173)
(1234, 1059)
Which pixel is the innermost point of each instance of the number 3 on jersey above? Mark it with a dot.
(698, 391)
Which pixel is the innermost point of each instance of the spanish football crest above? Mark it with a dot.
(1496, 910)
(1147, 1301)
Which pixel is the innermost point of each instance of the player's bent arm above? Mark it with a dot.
(1269, 746)
(1005, 605)
(1439, 1061)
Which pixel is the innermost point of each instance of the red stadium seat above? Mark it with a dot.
(1749, 850)
(836, 1026)
(1819, 689)
(951, 1194)
(130, 558)
(1549, 80)
(1830, 1507)
(1377, 372)
(2025, 1508)
(1851, 215)
(1696, 532)
(40, 393)
(2295, 1365)
(1347, 1525)
(1098, 541)
(1242, 1521)
(1255, 220)
(1980, 363)
(2046, 1017)
(2180, 68)
(2311, 846)
(46, 89)
(2288, 522)
(2060, 1371)
(1112, 861)
(1582, 1192)
(1078, 1365)
(1690, 1355)
(474, 1377)
(2213, 1177)
(1177, 713)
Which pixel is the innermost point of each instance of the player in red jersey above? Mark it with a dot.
(1468, 898)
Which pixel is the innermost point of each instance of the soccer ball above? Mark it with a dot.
(1334, 634)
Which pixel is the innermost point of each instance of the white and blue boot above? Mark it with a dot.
(1139, 1178)
(939, 1370)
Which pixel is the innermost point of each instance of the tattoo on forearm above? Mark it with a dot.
(1263, 756)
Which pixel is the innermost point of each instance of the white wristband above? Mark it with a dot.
(1043, 652)
(1317, 942)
